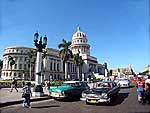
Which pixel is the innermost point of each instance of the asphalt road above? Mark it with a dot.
(126, 102)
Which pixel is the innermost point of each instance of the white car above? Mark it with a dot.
(124, 82)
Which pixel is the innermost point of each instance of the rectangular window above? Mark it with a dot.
(51, 66)
(20, 75)
(54, 66)
(25, 59)
(20, 66)
(28, 65)
(16, 59)
(20, 58)
(15, 67)
(14, 74)
(5, 66)
(25, 67)
(58, 67)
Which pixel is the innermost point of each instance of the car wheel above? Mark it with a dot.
(87, 103)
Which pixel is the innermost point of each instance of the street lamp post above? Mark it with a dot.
(38, 90)
(106, 70)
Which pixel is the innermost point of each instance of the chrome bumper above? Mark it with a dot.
(95, 100)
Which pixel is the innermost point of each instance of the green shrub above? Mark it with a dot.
(58, 83)
(7, 83)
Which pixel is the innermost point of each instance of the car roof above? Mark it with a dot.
(72, 81)
(105, 81)
(123, 78)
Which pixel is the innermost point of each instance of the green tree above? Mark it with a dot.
(65, 53)
(78, 61)
(31, 61)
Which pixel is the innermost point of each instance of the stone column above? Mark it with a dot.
(38, 68)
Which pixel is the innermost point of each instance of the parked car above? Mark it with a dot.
(104, 91)
(69, 89)
(124, 82)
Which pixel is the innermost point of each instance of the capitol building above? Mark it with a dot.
(53, 66)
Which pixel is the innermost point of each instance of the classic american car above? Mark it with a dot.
(103, 91)
(69, 89)
(124, 82)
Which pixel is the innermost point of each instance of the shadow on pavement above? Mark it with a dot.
(119, 99)
(132, 86)
(49, 106)
(68, 99)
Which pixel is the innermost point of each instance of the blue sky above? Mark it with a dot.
(117, 30)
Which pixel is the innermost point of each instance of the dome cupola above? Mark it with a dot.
(79, 37)
(80, 43)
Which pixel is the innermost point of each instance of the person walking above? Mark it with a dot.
(140, 89)
(46, 84)
(14, 85)
(23, 83)
(146, 93)
(27, 94)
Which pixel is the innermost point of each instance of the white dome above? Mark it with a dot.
(79, 37)
(80, 43)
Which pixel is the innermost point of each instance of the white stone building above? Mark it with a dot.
(53, 67)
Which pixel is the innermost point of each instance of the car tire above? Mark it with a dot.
(87, 103)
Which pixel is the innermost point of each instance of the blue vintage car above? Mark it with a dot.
(103, 91)
(69, 89)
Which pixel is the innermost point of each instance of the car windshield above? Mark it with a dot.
(71, 84)
(103, 85)
(123, 80)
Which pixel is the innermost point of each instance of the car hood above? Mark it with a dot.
(61, 88)
(100, 90)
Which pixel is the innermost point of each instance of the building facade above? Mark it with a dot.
(122, 72)
(147, 70)
(52, 66)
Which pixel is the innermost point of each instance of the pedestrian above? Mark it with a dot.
(23, 83)
(146, 93)
(140, 89)
(27, 94)
(14, 85)
(46, 84)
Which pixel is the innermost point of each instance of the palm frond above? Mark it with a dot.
(64, 41)
(61, 45)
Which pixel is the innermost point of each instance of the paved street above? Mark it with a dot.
(125, 103)
(7, 96)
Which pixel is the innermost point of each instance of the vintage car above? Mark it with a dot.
(124, 82)
(69, 89)
(104, 91)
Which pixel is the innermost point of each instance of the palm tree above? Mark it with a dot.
(31, 61)
(11, 62)
(78, 61)
(65, 53)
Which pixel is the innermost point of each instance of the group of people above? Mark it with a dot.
(143, 89)
(26, 91)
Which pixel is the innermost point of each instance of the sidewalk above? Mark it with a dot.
(14, 97)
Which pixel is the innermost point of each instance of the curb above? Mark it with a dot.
(3, 104)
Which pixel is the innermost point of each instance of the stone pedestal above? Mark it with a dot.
(38, 91)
